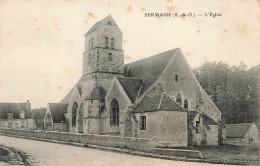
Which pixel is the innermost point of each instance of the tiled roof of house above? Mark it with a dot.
(148, 69)
(97, 93)
(66, 99)
(131, 87)
(15, 109)
(237, 130)
(160, 101)
(57, 112)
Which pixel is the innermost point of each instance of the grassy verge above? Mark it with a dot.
(230, 154)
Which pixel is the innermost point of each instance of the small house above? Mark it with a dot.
(16, 115)
(241, 133)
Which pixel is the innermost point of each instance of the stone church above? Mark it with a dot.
(157, 97)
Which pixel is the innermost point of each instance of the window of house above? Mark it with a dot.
(186, 104)
(178, 99)
(197, 126)
(109, 22)
(176, 78)
(110, 56)
(114, 112)
(112, 43)
(106, 42)
(16, 125)
(142, 122)
(9, 125)
(22, 125)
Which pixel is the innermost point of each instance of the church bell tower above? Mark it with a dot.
(103, 48)
(103, 57)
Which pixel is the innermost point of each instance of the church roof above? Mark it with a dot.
(131, 87)
(57, 112)
(208, 121)
(94, 27)
(148, 69)
(15, 109)
(192, 114)
(97, 24)
(156, 102)
(237, 130)
(66, 99)
(97, 93)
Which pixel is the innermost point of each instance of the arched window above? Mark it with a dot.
(106, 42)
(110, 56)
(186, 104)
(92, 43)
(114, 113)
(112, 43)
(74, 114)
(178, 99)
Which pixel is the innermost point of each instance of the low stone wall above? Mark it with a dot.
(179, 153)
(132, 143)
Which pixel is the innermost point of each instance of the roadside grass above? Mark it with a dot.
(4, 155)
(230, 154)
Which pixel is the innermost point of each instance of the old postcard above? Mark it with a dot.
(110, 82)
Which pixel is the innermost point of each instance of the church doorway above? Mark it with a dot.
(74, 116)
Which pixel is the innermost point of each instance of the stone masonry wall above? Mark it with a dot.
(131, 143)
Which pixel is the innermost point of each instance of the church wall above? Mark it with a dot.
(116, 93)
(87, 85)
(92, 116)
(110, 31)
(186, 85)
(88, 41)
(117, 63)
(212, 135)
(169, 128)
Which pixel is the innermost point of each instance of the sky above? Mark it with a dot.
(42, 41)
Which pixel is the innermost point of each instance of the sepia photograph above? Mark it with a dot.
(129, 83)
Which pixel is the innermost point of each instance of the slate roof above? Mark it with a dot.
(192, 114)
(148, 69)
(66, 99)
(97, 93)
(160, 101)
(97, 24)
(131, 87)
(57, 112)
(237, 130)
(208, 121)
(14, 108)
